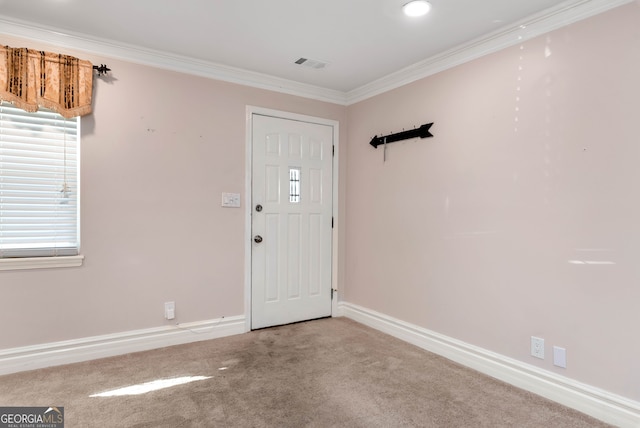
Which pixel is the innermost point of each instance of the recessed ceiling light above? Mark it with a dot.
(416, 8)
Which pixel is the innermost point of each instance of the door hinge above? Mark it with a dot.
(331, 222)
(333, 150)
(332, 291)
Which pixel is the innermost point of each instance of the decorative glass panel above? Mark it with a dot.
(294, 185)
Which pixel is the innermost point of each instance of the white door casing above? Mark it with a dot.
(291, 270)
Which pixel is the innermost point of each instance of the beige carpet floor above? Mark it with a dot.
(323, 373)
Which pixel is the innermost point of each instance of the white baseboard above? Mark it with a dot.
(73, 351)
(593, 401)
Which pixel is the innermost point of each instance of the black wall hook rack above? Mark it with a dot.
(422, 132)
(101, 69)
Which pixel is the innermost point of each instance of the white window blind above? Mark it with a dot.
(39, 186)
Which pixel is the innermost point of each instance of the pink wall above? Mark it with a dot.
(157, 152)
(469, 234)
(534, 164)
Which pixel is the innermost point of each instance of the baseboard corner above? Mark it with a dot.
(600, 404)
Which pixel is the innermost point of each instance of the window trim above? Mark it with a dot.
(22, 263)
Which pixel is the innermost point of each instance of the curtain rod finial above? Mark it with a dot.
(102, 69)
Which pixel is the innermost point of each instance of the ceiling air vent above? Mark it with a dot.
(311, 63)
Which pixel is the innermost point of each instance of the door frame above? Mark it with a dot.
(250, 112)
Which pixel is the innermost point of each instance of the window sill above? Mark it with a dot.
(41, 262)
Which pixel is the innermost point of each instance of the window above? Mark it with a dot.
(39, 183)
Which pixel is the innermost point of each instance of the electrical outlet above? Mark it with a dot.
(537, 347)
(169, 310)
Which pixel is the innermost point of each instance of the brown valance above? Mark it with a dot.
(30, 79)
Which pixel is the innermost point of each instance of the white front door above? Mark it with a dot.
(290, 221)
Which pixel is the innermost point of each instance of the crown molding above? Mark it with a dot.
(551, 19)
(164, 60)
(566, 13)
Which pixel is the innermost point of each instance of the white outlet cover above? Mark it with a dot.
(537, 347)
(560, 357)
(169, 310)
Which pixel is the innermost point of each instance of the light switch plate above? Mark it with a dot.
(231, 200)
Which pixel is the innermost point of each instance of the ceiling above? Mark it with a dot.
(362, 41)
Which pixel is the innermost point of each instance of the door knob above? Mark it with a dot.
(258, 207)
(257, 239)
